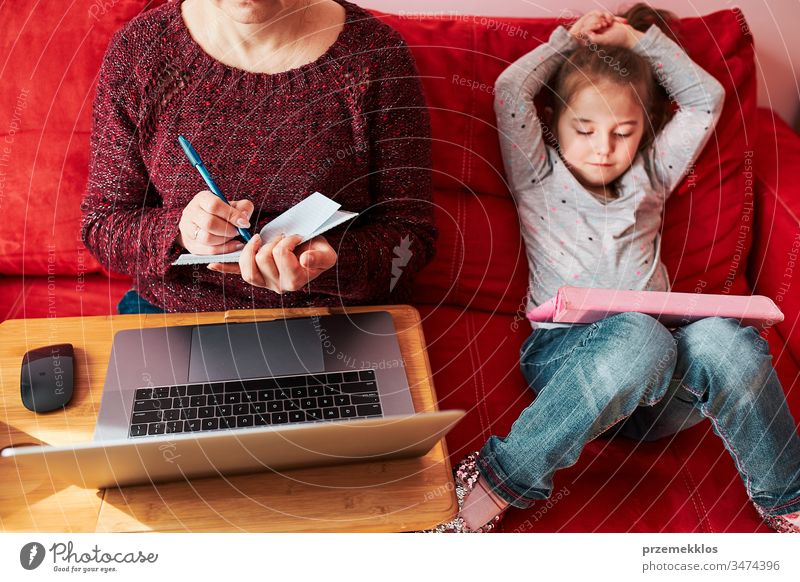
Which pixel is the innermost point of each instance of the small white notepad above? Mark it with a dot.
(309, 218)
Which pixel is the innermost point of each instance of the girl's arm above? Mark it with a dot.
(699, 97)
(521, 141)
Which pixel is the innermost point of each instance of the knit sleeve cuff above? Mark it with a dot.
(160, 239)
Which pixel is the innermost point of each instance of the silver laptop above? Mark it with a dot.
(242, 397)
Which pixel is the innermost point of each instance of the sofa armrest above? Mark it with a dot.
(774, 265)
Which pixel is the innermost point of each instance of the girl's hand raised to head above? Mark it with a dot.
(594, 20)
(282, 264)
(617, 34)
(602, 27)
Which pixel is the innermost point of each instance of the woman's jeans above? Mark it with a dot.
(632, 370)
(132, 302)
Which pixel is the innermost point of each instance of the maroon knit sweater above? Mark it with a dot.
(353, 125)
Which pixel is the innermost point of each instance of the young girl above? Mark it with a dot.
(590, 191)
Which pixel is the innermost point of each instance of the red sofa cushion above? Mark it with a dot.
(776, 258)
(706, 230)
(51, 56)
(60, 296)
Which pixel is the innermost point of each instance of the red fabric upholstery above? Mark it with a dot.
(775, 264)
(51, 59)
(471, 296)
(60, 296)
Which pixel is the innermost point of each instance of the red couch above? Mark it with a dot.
(732, 227)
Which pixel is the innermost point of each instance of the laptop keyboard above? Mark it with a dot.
(255, 402)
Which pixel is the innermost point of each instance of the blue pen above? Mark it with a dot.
(195, 160)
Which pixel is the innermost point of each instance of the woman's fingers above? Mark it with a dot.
(265, 266)
(311, 260)
(214, 229)
(318, 255)
(208, 224)
(286, 263)
(316, 262)
(216, 207)
(214, 225)
(247, 263)
(214, 217)
(208, 238)
(244, 206)
(276, 266)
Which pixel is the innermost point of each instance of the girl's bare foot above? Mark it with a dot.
(481, 505)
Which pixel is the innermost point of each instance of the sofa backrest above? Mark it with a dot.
(53, 54)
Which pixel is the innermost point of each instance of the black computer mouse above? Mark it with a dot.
(46, 382)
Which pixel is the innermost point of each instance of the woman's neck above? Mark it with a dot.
(275, 36)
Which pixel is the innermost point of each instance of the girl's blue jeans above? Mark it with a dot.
(631, 373)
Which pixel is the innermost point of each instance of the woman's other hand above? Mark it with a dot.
(208, 225)
(282, 264)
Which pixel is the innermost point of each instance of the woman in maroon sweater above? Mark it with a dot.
(281, 99)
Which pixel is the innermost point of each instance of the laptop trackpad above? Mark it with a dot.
(252, 350)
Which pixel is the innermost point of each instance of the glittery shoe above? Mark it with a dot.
(466, 475)
(781, 523)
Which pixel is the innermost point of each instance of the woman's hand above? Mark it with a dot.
(208, 225)
(282, 264)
